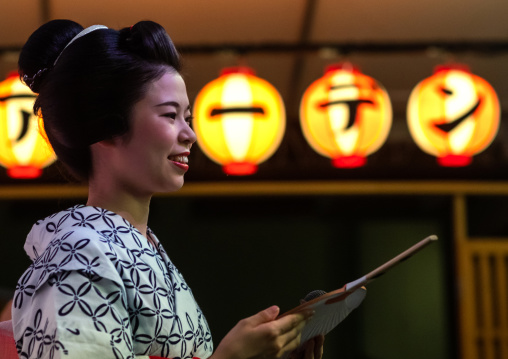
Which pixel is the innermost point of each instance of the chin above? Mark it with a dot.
(173, 186)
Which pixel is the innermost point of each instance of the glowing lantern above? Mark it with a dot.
(453, 115)
(23, 150)
(239, 120)
(345, 115)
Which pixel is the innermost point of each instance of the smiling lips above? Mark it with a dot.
(180, 160)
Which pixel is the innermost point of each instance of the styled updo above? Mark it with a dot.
(86, 90)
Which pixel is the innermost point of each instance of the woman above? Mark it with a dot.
(116, 112)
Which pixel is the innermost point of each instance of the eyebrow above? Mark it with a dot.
(171, 103)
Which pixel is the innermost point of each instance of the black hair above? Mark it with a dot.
(88, 94)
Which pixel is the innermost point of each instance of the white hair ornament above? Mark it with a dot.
(81, 34)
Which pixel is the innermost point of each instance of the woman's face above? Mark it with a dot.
(154, 153)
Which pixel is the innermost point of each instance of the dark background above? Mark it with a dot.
(243, 254)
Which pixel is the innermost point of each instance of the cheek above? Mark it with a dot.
(164, 138)
(154, 131)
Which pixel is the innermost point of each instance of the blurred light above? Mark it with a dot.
(239, 120)
(345, 115)
(453, 115)
(23, 150)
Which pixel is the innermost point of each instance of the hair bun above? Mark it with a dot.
(42, 49)
(150, 41)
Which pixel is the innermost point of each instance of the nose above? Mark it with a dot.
(187, 135)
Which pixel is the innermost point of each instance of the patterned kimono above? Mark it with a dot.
(98, 289)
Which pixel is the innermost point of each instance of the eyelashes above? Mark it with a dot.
(173, 115)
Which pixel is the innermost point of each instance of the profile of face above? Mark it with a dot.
(153, 156)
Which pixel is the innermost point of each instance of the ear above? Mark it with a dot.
(114, 141)
(103, 149)
(107, 143)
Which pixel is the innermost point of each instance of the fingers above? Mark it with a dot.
(291, 332)
(263, 335)
(264, 316)
(311, 349)
(314, 348)
(290, 321)
(290, 346)
(318, 346)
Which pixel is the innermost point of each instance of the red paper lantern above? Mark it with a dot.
(23, 149)
(453, 115)
(345, 115)
(239, 120)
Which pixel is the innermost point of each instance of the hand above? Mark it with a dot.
(311, 349)
(262, 336)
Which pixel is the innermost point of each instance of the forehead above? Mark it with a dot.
(169, 87)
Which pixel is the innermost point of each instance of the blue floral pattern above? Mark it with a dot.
(97, 288)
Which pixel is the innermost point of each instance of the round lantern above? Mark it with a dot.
(239, 120)
(23, 149)
(345, 115)
(453, 115)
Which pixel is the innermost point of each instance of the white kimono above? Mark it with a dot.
(98, 289)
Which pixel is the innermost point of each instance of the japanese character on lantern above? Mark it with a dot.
(23, 149)
(453, 115)
(345, 115)
(239, 120)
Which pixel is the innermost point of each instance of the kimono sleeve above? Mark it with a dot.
(72, 310)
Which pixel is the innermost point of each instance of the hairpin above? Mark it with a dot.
(29, 81)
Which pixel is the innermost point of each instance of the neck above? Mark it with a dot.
(133, 208)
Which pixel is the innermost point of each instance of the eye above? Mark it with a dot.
(171, 115)
(189, 119)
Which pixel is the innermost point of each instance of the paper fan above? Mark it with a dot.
(332, 308)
